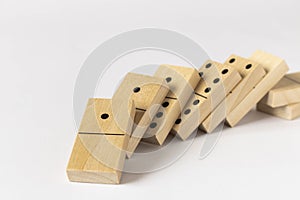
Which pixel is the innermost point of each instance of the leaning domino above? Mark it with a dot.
(147, 93)
(275, 68)
(252, 73)
(217, 81)
(182, 82)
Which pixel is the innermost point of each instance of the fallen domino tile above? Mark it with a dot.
(286, 92)
(289, 112)
(99, 151)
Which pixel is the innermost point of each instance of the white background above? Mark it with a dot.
(44, 43)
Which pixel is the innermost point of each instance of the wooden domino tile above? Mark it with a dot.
(182, 82)
(289, 112)
(286, 92)
(99, 151)
(252, 73)
(178, 100)
(217, 81)
(275, 68)
(283, 100)
(147, 93)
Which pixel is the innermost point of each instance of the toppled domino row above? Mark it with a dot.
(176, 99)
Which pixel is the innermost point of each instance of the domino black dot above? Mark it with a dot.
(159, 114)
(232, 60)
(196, 102)
(201, 74)
(187, 111)
(136, 90)
(168, 79)
(225, 71)
(153, 125)
(248, 66)
(216, 80)
(208, 65)
(104, 116)
(207, 90)
(165, 104)
(178, 121)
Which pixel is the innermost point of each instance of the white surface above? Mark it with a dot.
(44, 43)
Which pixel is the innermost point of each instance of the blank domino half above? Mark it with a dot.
(217, 81)
(182, 82)
(289, 112)
(147, 93)
(275, 68)
(99, 151)
(286, 92)
(252, 73)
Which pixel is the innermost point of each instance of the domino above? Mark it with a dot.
(147, 93)
(286, 92)
(99, 151)
(275, 68)
(283, 100)
(289, 112)
(217, 81)
(182, 82)
(252, 73)
(294, 76)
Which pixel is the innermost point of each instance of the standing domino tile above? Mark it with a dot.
(99, 151)
(217, 81)
(275, 68)
(182, 82)
(252, 73)
(147, 94)
(286, 92)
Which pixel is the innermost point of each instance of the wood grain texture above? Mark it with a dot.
(252, 73)
(147, 93)
(286, 92)
(99, 151)
(181, 82)
(294, 76)
(97, 158)
(288, 112)
(217, 81)
(275, 68)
